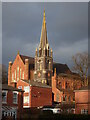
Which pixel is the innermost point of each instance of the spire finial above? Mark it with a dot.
(44, 20)
(18, 52)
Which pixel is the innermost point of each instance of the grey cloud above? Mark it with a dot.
(67, 27)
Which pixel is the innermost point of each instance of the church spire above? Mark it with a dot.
(43, 38)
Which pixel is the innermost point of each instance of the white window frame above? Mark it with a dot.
(19, 87)
(6, 96)
(13, 97)
(84, 111)
(26, 89)
(27, 99)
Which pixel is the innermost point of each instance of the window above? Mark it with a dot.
(20, 73)
(73, 98)
(17, 73)
(12, 77)
(15, 97)
(62, 98)
(19, 87)
(69, 98)
(26, 88)
(40, 66)
(4, 96)
(23, 76)
(84, 111)
(26, 99)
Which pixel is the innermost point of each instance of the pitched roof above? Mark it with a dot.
(7, 87)
(61, 68)
(38, 84)
(84, 88)
(31, 59)
(73, 76)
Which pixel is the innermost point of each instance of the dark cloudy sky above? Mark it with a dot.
(67, 27)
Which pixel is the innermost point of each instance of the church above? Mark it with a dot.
(42, 80)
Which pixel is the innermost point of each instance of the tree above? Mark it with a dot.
(81, 66)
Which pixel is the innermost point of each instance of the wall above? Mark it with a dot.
(82, 101)
(40, 96)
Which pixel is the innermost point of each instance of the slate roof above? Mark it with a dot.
(85, 88)
(38, 84)
(73, 76)
(7, 87)
(31, 59)
(61, 68)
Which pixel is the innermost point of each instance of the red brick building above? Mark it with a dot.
(63, 86)
(12, 101)
(36, 76)
(35, 83)
(36, 94)
(82, 101)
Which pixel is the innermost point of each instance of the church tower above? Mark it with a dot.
(43, 58)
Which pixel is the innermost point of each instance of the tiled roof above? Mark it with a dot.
(7, 87)
(38, 84)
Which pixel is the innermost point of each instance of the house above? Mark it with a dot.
(12, 101)
(82, 101)
(36, 94)
(63, 86)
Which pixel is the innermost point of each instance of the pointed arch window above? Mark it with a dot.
(23, 75)
(12, 76)
(20, 73)
(17, 73)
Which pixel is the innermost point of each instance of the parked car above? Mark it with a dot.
(53, 109)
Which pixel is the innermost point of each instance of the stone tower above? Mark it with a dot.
(43, 58)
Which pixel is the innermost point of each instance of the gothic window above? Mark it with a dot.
(12, 76)
(40, 66)
(49, 65)
(69, 98)
(60, 84)
(20, 73)
(17, 73)
(23, 75)
(65, 98)
(73, 98)
(66, 85)
(62, 98)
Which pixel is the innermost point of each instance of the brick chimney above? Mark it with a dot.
(9, 72)
(26, 69)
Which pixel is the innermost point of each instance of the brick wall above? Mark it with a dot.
(40, 96)
(82, 101)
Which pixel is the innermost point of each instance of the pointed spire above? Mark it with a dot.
(18, 52)
(43, 38)
(44, 20)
